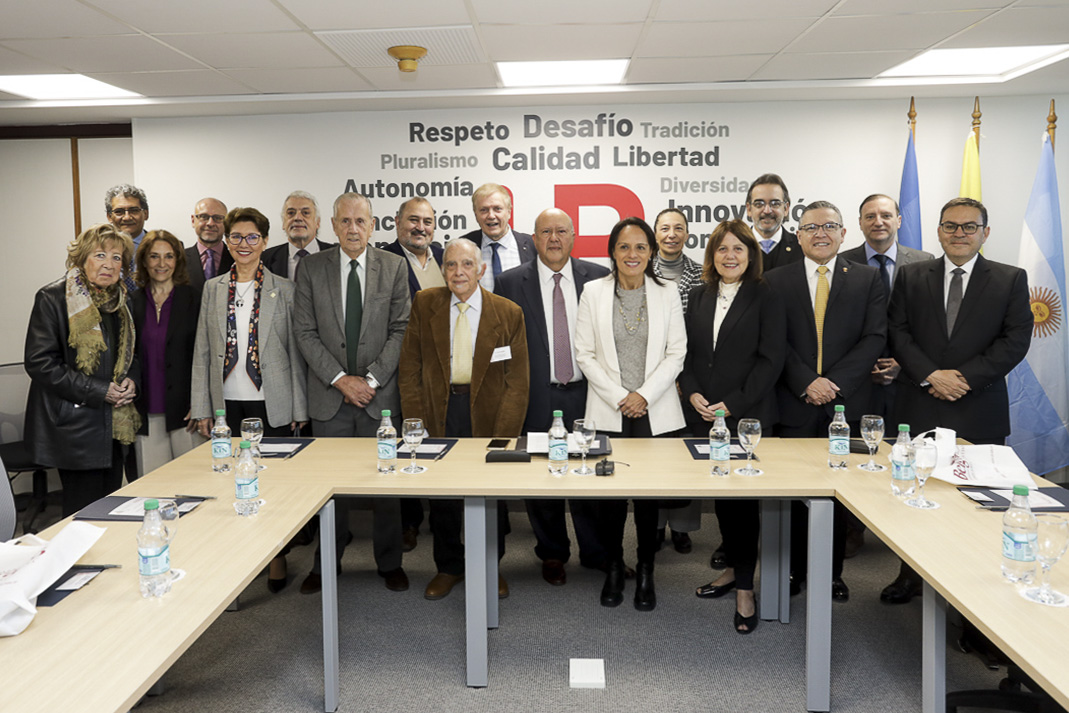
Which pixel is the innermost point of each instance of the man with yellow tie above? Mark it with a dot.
(464, 371)
(836, 329)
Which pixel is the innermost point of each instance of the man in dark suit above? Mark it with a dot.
(464, 371)
(548, 290)
(958, 325)
(836, 329)
(300, 223)
(415, 243)
(208, 257)
(767, 205)
(349, 316)
(502, 249)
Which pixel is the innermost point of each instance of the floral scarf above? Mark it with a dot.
(252, 356)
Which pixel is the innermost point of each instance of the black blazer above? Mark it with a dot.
(413, 281)
(524, 243)
(786, 251)
(991, 336)
(277, 257)
(178, 367)
(743, 369)
(855, 331)
(520, 284)
(196, 270)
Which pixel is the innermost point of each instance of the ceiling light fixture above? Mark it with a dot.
(407, 56)
(563, 73)
(46, 87)
(985, 64)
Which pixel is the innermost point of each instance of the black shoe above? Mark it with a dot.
(714, 591)
(901, 590)
(681, 541)
(796, 583)
(750, 622)
(719, 560)
(645, 596)
(612, 594)
(839, 591)
(409, 539)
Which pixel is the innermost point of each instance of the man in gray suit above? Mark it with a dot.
(350, 315)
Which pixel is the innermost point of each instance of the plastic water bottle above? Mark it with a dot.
(387, 437)
(1019, 539)
(221, 443)
(558, 445)
(838, 439)
(902, 479)
(153, 553)
(246, 482)
(719, 445)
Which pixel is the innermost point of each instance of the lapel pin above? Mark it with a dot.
(272, 293)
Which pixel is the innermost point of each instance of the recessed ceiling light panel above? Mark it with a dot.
(563, 73)
(993, 64)
(50, 87)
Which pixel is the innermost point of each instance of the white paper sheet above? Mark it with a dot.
(539, 443)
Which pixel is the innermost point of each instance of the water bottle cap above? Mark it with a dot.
(840, 408)
(1017, 490)
(719, 413)
(558, 414)
(903, 427)
(152, 504)
(220, 412)
(386, 413)
(244, 444)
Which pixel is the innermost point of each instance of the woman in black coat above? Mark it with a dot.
(83, 370)
(736, 344)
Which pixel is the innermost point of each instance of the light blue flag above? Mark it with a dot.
(909, 201)
(1039, 398)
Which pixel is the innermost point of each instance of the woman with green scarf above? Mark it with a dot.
(83, 373)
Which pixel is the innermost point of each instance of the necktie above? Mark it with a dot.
(207, 261)
(562, 343)
(495, 262)
(301, 254)
(354, 312)
(766, 245)
(461, 362)
(885, 274)
(954, 299)
(819, 307)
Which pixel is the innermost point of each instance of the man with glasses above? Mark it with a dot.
(300, 223)
(836, 329)
(350, 314)
(767, 205)
(208, 257)
(127, 210)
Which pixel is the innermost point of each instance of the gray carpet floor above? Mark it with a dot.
(400, 652)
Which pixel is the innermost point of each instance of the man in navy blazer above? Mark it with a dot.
(415, 243)
(300, 223)
(207, 219)
(768, 203)
(556, 381)
(502, 249)
(833, 368)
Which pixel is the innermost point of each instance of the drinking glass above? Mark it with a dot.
(872, 434)
(413, 432)
(1052, 535)
(749, 436)
(584, 432)
(252, 430)
(924, 459)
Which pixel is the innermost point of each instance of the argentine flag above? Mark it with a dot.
(1039, 396)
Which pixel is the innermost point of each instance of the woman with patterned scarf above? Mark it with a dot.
(83, 372)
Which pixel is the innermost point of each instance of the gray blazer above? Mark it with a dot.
(320, 328)
(281, 365)
(905, 257)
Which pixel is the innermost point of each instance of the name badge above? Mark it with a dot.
(501, 354)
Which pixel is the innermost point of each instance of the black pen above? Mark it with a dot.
(198, 497)
(94, 567)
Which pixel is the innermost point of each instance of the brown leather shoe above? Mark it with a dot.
(409, 539)
(553, 572)
(441, 585)
(396, 580)
(502, 588)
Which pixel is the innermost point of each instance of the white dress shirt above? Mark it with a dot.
(948, 275)
(312, 247)
(508, 253)
(811, 275)
(571, 305)
(238, 385)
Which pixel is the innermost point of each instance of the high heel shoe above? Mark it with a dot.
(713, 590)
(277, 584)
(750, 622)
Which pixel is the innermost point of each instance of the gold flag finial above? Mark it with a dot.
(976, 121)
(912, 114)
(1052, 123)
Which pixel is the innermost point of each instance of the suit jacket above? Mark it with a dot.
(786, 251)
(855, 331)
(524, 243)
(499, 389)
(743, 368)
(277, 258)
(413, 281)
(906, 256)
(666, 348)
(196, 269)
(991, 336)
(319, 323)
(178, 368)
(521, 285)
(281, 366)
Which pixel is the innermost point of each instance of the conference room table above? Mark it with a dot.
(105, 646)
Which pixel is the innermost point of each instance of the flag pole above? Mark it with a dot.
(1052, 124)
(912, 114)
(976, 114)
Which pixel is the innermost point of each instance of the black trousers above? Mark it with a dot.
(740, 527)
(612, 514)
(83, 487)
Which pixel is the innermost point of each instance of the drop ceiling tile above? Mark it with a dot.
(117, 53)
(564, 11)
(714, 39)
(559, 42)
(349, 15)
(241, 51)
(906, 7)
(12, 62)
(199, 15)
(660, 70)
(469, 76)
(54, 18)
(370, 48)
(1019, 26)
(892, 32)
(190, 83)
(296, 81)
(724, 10)
(837, 65)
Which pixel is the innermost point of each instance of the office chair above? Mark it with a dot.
(16, 459)
(8, 515)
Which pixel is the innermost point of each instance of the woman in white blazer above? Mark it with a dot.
(630, 342)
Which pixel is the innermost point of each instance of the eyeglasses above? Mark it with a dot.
(814, 228)
(132, 212)
(205, 217)
(252, 239)
(774, 204)
(967, 228)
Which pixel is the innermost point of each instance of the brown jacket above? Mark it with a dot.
(499, 390)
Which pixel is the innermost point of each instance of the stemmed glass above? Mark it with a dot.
(413, 432)
(924, 460)
(1052, 535)
(584, 432)
(749, 436)
(252, 430)
(872, 434)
